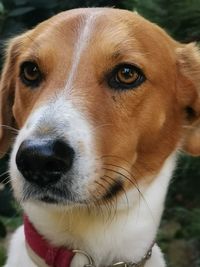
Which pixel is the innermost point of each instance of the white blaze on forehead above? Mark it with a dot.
(84, 33)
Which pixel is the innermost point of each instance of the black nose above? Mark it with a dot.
(44, 161)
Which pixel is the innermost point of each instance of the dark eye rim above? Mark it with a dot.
(27, 82)
(116, 84)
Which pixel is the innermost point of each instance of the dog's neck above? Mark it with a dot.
(108, 235)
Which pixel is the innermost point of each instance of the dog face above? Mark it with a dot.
(101, 98)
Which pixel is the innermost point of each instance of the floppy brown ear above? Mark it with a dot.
(189, 90)
(7, 91)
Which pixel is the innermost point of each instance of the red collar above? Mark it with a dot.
(53, 256)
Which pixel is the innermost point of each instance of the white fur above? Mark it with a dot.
(81, 44)
(17, 255)
(71, 127)
(126, 237)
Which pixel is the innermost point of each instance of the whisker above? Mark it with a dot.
(135, 183)
(129, 163)
(131, 175)
(114, 206)
(4, 153)
(136, 186)
(102, 125)
(96, 203)
(3, 173)
(106, 203)
(9, 128)
(5, 181)
(123, 175)
(123, 189)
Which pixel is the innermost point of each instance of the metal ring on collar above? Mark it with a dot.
(90, 259)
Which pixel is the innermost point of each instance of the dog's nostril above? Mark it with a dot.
(43, 161)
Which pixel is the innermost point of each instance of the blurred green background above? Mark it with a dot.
(179, 235)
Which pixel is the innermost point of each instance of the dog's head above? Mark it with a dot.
(101, 98)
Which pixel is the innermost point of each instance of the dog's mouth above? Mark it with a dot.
(51, 194)
(67, 194)
(49, 200)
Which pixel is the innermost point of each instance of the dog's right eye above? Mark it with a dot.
(125, 76)
(30, 74)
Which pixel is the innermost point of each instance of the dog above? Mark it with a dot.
(102, 101)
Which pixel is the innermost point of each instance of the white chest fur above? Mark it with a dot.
(126, 234)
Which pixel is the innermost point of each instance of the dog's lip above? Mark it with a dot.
(49, 200)
(50, 194)
(53, 201)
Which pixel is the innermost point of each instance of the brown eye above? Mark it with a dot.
(126, 77)
(30, 74)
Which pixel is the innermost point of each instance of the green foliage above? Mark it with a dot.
(2, 255)
(186, 183)
(180, 229)
(181, 17)
(12, 222)
(18, 15)
(187, 219)
(2, 230)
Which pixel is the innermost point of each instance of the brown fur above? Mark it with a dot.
(137, 129)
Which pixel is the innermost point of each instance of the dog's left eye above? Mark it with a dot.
(30, 74)
(125, 76)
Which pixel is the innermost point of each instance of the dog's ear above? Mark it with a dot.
(189, 95)
(7, 92)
